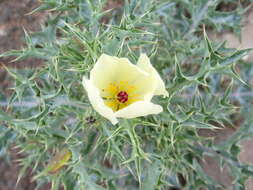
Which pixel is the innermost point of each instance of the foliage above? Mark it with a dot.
(51, 119)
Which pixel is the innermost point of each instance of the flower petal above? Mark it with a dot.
(140, 108)
(103, 71)
(97, 102)
(110, 69)
(144, 64)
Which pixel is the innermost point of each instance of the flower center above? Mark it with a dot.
(119, 95)
(122, 96)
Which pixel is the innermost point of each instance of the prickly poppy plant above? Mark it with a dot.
(99, 114)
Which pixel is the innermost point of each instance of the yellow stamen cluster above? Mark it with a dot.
(111, 93)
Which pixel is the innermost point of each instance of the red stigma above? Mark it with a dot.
(122, 96)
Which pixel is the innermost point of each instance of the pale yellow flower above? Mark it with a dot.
(119, 89)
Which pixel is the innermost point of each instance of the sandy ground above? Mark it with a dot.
(13, 18)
